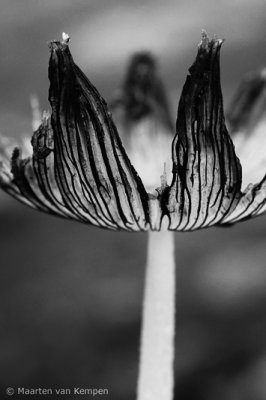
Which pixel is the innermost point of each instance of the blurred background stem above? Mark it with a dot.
(156, 370)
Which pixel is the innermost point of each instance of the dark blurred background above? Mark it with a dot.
(70, 294)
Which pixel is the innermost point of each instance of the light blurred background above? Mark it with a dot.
(70, 294)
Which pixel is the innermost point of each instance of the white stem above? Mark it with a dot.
(156, 371)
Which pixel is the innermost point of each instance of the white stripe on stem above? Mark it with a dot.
(156, 371)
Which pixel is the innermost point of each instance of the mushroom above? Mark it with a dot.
(79, 170)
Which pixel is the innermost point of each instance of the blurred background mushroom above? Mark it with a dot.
(70, 294)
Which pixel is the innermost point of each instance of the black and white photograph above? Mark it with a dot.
(133, 199)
